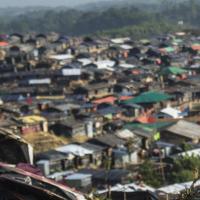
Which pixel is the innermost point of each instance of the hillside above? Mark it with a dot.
(108, 20)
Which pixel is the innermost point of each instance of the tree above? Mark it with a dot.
(149, 174)
(184, 169)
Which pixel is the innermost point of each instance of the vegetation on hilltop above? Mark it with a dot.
(183, 169)
(112, 21)
(138, 21)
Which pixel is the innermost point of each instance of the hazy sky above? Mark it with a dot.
(22, 3)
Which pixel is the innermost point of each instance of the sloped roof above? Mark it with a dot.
(177, 188)
(167, 49)
(172, 112)
(173, 70)
(148, 127)
(52, 189)
(186, 129)
(196, 47)
(110, 99)
(32, 119)
(74, 149)
(61, 57)
(149, 97)
(4, 44)
(108, 140)
(146, 119)
(124, 134)
(93, 147)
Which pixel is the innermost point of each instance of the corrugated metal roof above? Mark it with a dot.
(186, 129)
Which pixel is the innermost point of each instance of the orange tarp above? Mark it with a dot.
(146, 119)
(136, 72)
(196, 47)
(123, 98)
(105, 100)
(3, 44)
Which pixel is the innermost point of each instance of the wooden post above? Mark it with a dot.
(162, 167)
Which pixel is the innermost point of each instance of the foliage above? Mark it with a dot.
(113, 21)
(191, 193)
(184, 169)
(182, 176)
(186, 146)
(145, 29)
(149, 175)
(137, 21)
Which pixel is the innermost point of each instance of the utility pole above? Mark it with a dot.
(124, 192)
(162, 166)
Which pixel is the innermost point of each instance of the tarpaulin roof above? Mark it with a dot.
(32, 119)
(4, 44)
(173, 70)
(61, 57)
(149, 97)
(75, 150)
(177, 188)
(131, 187)
(148, 127)
(172, 112)
(146, 119)
(196, 47)
(167, 49)
(123, 98)
(124, 134)
(110, 99)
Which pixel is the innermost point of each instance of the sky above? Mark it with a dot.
(24, 3)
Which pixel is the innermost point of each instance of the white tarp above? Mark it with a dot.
(172, 112)
(126, 46)
(61, 57)
(120, 40)
(74, 149)
(78, 176)
(105, 64)
(85, 61)
(39, 81)
(177, 188)
(126, 65)
(132, 187)
(124, 134)
(194, 152)
(71, 72)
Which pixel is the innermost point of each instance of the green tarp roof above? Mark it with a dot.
(173, 70)
(169, 49)
(148, 127)
(177, 40)
(149, 97)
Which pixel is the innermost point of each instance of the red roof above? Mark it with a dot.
(146, 119)
(196, 47)
(136, 72)
(123, 98)
(4, 44)
(105, 100)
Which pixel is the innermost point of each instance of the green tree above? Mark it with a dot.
(184, 169)
(149, 174)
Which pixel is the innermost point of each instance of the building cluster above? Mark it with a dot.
(87, 111)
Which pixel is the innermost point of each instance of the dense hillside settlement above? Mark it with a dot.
(98, 117)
